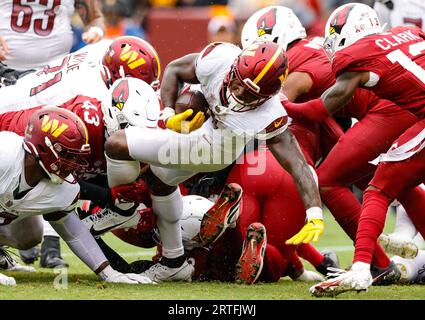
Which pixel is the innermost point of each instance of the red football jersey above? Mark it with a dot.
(89, 110)
(397, 58)
(308, 56)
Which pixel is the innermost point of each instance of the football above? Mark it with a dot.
(194, 100)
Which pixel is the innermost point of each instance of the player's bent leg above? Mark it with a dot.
(172, 265)
(222, 215)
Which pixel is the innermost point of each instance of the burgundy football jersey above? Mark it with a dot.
(89, 110)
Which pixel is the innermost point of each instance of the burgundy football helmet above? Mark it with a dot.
(261, 69)
(129, 56)
(58, 139)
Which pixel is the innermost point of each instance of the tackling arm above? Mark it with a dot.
(332, 99)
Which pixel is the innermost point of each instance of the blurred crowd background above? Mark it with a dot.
(178, 27)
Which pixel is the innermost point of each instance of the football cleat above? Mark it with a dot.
(385, 276)
(330, 261)
(7, 263)
(106, 220)
(159, 272)
(398, 246)
(222, 215)
(51, 253)
(29, 256)
(342, 281)
(250, 263)
(7, 281)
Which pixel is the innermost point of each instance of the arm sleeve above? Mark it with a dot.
(313, 110)
(80, 240)
(101, 196)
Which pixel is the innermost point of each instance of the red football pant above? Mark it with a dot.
(273, 200)
(392, 180)
(347, 164)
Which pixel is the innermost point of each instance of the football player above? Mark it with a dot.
(241, 88)
(25, 27)
(89, 71)
(392, 69)
(35, 33)
(37, 179)
(309, 76)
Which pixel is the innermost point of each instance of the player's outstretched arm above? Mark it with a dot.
(91, 14)
(333, 99)
(287, 152)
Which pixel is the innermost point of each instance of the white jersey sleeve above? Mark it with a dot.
(44, 198)
(212, 67)
(404, 13)
(36, 31)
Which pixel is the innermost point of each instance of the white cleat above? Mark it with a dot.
(343, 281)
(398, 246)
(107, 220)
(7, 281)
(158, 273)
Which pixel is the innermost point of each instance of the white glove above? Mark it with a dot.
(309, 276)
(7, 281)
(113, 276)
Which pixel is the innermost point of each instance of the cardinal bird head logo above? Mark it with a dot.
(266, 22)
(120, 94)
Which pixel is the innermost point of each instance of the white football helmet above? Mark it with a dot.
(130, 102)
(194, 208)
(275, 23)
(347, 24)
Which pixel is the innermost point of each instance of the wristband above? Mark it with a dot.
(96, 29)
(314, 213)
(168, 112)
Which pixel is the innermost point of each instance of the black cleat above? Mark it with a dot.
(331, 260)
(29, 256)
(50, 253)
(386, 276)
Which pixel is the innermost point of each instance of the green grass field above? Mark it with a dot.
(83, 284)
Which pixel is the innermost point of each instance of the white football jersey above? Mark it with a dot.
(36, 31)
(78, 73)
(404, 13)
(212, 66)
(45, 197)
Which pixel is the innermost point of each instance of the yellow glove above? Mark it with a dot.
(178, 122)
(311, 231)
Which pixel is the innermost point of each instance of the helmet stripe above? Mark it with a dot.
(268, 65)
(156, 58)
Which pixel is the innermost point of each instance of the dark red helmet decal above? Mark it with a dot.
(120, 94)
(266, 22)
